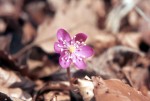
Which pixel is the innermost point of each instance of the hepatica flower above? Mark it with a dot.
(72, 50)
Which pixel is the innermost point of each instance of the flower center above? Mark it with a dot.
(72, 49)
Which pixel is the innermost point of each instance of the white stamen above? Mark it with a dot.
(67, 60)
(61, 49)
(83, 56)
(61, 39)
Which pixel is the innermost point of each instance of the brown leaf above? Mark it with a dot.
(85, 88)
(53, 91)
(4, 97)
(3, 26)
(10, 79)
(42, 68)
(8, 9)
(133, 19)
(116, 15)
(29, 33)
(116, 91)
(37, 11)
(56, 96)
(5, 42)
(7, 61)
(133, 73)
(130, 39)
(110, 63)
(145, 32)
(15, 93)
(72, 20)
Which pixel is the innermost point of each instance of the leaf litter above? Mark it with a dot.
(118, 32)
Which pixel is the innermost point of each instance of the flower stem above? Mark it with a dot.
(69, 76)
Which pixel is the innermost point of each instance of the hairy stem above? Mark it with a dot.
(69, 76)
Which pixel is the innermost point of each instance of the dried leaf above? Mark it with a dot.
(7, 61)
(72, 20)
(53, 91)
(109, 64)
(4, 97)
(85, 87)
(43, 68)
(145, 32)
(115, 90)
(133, 73)
(37, 10)
(130, 40)
(28, 33)
(116, 15)
(10, 79)
(10, 8)
(3, 26)
(5, 42)
(15, 93)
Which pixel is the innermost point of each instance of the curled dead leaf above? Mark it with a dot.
(85, 88)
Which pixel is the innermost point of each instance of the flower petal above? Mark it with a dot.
(56, 47)
(81, 37)
(80, 64)
(86, 51)
(63, 35)
(64, 63)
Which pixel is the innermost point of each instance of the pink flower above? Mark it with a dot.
(72, 49)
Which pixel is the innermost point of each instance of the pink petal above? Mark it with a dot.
(86, 51)
(56, 48)
(80, 64)
(63, 62)
(63, 35)
(80, 37)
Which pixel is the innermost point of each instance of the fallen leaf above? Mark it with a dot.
(15, 93)
(29, 33)
(6, 60)
(10, 79)
(72, 20)
(130, 39)
(54, 90)
(85, 88)
(115, 90)
(5, 42)
(8, 9)
(4, 97)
